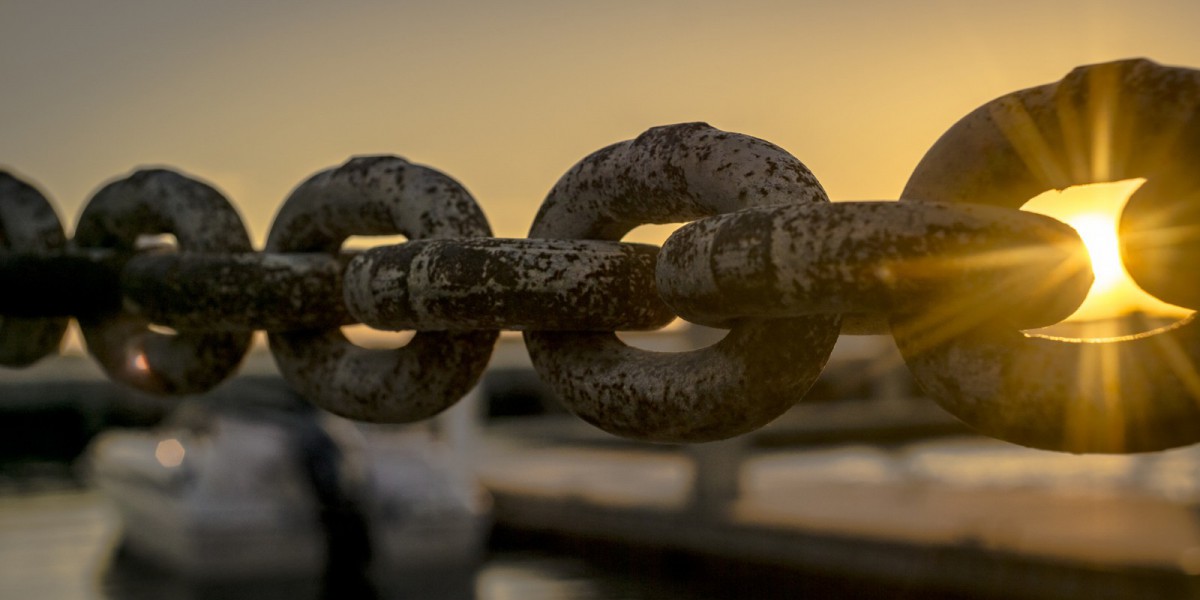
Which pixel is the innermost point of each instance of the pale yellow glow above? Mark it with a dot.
(169, 453)
(376, 339)
(1094, 211)
(1099, 233)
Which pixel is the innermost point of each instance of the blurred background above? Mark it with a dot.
(868, 489)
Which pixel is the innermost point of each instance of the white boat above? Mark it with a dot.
(251, 483)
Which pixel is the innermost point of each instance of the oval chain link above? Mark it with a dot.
(760, 369)
(28, 224)
(153, 202)
(869, 260)
(1131, 394)
(521, 284)
(379, 195)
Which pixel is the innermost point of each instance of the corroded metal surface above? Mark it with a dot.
(1106, 122)
(1133, 394)
(1101, 123)
(1160, 229)
(378, 196)
(1160, 226)
(760, 369)
(547, 285)
(27, 224)
(237, 291)
(875, 259)
(153, 202)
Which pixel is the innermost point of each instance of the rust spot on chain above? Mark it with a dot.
(471, 284)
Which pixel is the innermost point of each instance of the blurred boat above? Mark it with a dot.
(260, 485)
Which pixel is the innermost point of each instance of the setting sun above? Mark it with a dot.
(1093, 210)
(1099, 234)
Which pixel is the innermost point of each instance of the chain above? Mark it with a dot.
(954, 271)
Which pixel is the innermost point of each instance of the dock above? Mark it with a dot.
(886, 488)
(960, 514)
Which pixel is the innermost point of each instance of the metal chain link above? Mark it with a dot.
(953, 271)
(202, 220)
(28, 226)
(1028, 389)
(759, 370)
(378, 196)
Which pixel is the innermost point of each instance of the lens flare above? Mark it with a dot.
(1094, 210)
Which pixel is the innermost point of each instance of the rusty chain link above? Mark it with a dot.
(1029, 389)
(202, 220)
(28, 226)
(378, 196)
(954, 271)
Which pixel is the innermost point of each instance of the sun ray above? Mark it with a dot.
(1023, 133)
(1104, 111)
(986, 307)
(1177, 360)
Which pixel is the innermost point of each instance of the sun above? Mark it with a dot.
(1099, 233)
(1094, 210)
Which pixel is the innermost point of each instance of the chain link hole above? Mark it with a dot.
(376, 339)
(678, 335)
(163, 329)
(1115, 306)
(651, 234)
(358, 243)
(364, 336)
(162, 242)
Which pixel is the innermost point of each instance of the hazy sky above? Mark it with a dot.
(256, 96)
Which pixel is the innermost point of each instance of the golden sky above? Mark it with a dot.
(256, 96)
